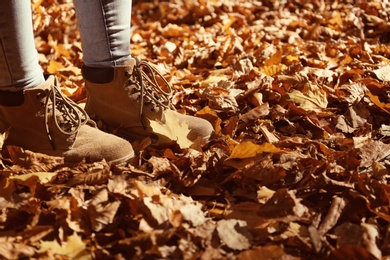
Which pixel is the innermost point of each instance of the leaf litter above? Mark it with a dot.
(298, 94)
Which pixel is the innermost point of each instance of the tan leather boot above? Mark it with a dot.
(127, 98)
(48, 122)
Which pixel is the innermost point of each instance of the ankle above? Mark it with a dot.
(11, 99)
(98, 75)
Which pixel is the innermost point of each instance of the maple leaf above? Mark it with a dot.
(172, 130)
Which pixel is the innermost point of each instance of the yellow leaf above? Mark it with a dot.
(211, 116)
(54, 66)
(43, 177)
(70, 69)
(74, 247)
(248, 150)
(337, 19)
(172, 130)
(292, 57)
(275, 59)
(273, 69)
(146, 190)
(215, 77)
(63, 51)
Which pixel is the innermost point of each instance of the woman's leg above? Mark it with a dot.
(105, 31)
(19, 67)
(105, 37)
(28, 116)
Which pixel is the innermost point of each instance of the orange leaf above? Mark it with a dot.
(375, 99)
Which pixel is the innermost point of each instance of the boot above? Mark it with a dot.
(48, 122)
(127, 98)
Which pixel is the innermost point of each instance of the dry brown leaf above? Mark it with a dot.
(323, 111)
(265, 253)
(282, 204)
(211, 116)
(101, 211)
(234, 234)
(333, 215)
(193, 213)
(310, 98)
(364, 235)
(383, 73)
(156, 211)
(10, 249)
(375, 99)
(219, 98)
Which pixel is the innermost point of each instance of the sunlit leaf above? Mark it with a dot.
(43, 177)
(172, 130)
(73, 247)
(249, 149)
(310, 98)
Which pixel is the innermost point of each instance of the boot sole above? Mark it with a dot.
(122, 161)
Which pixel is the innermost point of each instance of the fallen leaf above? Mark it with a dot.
(364, 235)
(234, 234)
(43, 177)
(375, 99)
(310, 98)
(383, 73)
(265, 253)
(73, 247)
(248, 150)
(54, 66)
(333, 215)
(193, 213)
(282, 204)
(172, 130)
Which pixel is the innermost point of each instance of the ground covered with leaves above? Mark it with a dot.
(298, 93)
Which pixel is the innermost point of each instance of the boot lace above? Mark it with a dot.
(67, 116)
(145, 79)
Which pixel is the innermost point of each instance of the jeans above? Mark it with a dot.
(105, 38)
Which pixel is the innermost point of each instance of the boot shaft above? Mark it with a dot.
(37, 124)
(131, 98)
(48, 122)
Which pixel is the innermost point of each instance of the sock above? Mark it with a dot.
(10, 99)
(98, 75)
